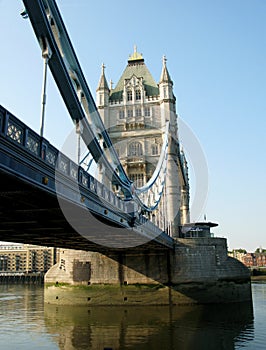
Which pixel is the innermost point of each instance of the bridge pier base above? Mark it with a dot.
(196, 271)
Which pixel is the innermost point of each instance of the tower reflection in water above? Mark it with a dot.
(184, 327)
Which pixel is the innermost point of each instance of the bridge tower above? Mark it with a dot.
(135, 112)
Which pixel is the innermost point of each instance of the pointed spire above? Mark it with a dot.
(103, 85)
(165, 76)
(111, 84)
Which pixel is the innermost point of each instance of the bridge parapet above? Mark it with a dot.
(15, 131)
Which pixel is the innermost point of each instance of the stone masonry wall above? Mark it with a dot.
(197, 271)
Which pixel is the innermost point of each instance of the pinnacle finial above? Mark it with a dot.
(136, 55)
(165, 76)
(103, 68)
(111, 84)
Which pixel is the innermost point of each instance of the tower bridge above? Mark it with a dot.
(124, 226)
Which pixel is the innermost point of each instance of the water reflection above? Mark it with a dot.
(186, 327)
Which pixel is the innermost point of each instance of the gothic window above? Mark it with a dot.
(138, 95)
(121, 114)
(154, 150)
(147, 111)
(129, 95)
(135, 149)
(138, 179)
(138, 112)
(130, 113)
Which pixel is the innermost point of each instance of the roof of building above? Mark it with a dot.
(137, 67)
(201, 223)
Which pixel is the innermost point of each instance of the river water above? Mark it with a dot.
(27, 323)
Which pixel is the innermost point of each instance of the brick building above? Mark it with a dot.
(257, 259)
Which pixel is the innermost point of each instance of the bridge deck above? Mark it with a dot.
(46, 199)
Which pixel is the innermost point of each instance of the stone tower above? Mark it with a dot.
(135, 112)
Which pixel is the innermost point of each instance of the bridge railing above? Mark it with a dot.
(20, 134)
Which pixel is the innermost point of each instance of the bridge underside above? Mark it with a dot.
(31, 215)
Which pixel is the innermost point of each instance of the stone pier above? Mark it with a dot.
(196, 271)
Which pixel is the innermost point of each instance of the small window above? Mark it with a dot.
(154, 150)
(129, 95)
(130, 113)
(138, 112)
(147, 111)
(138, 179)
(135, 149)
(121, 114)
(138, 95)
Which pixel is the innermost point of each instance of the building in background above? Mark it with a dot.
(252, 260)
(135, 113)
(26, 258)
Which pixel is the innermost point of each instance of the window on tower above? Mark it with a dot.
(147, 111)
(135, 149)
(138, 179)
(130, 113)
(129, 95)
(138, 95)
(154, 150)
(121, 114)
(138, 112)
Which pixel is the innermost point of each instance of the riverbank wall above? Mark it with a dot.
(196, 271)
(21, 278)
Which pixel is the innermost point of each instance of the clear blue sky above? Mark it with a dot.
(216, 53)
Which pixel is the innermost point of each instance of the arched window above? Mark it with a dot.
(135, 149)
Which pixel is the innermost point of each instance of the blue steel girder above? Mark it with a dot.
(56, 46)
(91, 124)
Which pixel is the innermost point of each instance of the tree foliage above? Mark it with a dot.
(260, 250)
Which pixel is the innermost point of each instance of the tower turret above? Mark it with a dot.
(166, 84)
(103, 90)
